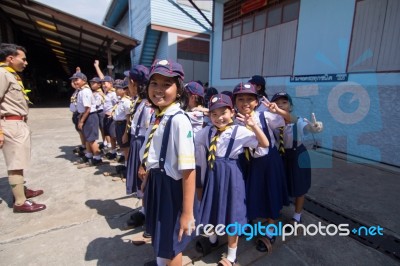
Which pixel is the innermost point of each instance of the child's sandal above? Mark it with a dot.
(264, 244)
(226, 262)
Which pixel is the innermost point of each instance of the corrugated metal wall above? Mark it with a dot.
(170, 14)
(230, 58)
(140, 19)
(389, 55)
(367, 35)
(280, 42)
(251, 54)
(269, 51)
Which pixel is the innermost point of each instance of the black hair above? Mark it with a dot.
(199, 99)
(142, 90)
(7, 49)
(209, 93)
(182, 99)
(261, 92)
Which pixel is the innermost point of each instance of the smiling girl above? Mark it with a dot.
(168, 165)
(223, 199)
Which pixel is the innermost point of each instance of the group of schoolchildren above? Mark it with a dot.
(234, 159)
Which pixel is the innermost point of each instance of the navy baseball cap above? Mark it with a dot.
(107, 79)
(282, 95)
(257, 80)
(220, 100)
(138, 73)
(95, 79)
(79, 75)
(120, 84)
(167, 68)
(244, 88)
(195, 88)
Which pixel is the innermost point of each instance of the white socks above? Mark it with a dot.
(231, 254)
(89, 155)
(297, 216)
(162, 261)
(142, 210)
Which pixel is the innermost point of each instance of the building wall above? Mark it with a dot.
(123, 26)
(359, 115)
(170, 14)
(162, 51)
(140, 14)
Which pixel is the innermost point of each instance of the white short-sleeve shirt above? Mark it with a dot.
(273, 121)
(85, 99)
(244, 138)
(288, 133)
(110, 100)
(99, 101)
(122, 109)
(145, 121)
(180, 149)
(73, 103)
(197, 120)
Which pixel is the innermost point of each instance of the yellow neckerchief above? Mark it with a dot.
(111, 90)
(212, 149)
(19, 80)
(116, 106)
(162, 112)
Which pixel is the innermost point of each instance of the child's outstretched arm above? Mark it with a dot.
(314, 126)
(96, 65)
(273, 108)
(248, 121)
(187, 217)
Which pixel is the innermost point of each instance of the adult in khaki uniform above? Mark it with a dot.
(15, 140)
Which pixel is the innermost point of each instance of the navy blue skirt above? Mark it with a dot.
(298, 171)
(163, 198)
(224, 194)
(133, 182)
(266, 187)
(120, 127)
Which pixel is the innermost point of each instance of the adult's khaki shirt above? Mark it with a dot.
(12, 100)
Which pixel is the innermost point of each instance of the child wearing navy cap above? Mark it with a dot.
(196, 113)
(295, 156)
(224, 196)
(111, 100)
(119, 113)
(168, 164)
(88, 120)
(139, 121)
(265, 188)
(95, 85)
(259, 84)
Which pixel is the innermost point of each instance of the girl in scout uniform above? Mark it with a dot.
(295, 156)
(224, 198)
(168, 165)
(195, 112)
(265, 177)
(140, 116)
